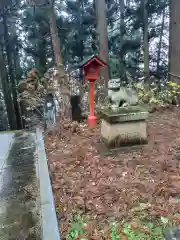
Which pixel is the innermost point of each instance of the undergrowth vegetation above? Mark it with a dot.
(153, 95)
(156, 95)
(135, 230)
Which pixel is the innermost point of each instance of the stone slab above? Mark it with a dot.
(49, 219)
(126, 114)
(123, 133)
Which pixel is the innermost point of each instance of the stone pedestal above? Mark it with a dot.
(127, 126)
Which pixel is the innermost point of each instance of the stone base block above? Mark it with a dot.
(124, 133)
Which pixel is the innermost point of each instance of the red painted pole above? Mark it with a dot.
(91, 117)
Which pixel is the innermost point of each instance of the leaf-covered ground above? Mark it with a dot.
(126, 186)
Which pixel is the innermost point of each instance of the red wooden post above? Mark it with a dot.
(91, 70)
(91, 117)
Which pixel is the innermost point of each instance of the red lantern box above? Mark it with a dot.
(91, 69)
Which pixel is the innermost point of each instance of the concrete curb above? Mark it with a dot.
(49, 220)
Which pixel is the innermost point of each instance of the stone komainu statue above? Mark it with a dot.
(121, 96)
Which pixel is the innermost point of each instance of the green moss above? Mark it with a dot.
(119, 142)
(123, 110)
(127, 114)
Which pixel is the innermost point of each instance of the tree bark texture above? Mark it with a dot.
(122, 68)
(55, 37)
(160, 39)
(7, 94)
(146, 44)
(11, 74)
(102, 37)
(174, 41)
(61, 77)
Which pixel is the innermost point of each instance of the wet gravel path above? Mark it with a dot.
(19, 191)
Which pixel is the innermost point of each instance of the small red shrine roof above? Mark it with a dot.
(95, 58)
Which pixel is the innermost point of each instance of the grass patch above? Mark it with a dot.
(136, 230)
(77, 228)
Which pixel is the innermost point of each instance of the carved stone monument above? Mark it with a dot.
(124, 121)
(121, 96)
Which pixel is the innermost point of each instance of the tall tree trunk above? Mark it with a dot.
(81, 36)
(146, 43)
(160, 39)
(81, 30)
(17, 75)
(7, 93)
(54, 35)
(42, 55)
(62, 78)
(16, 58)
(174, 38)
(122, 70)
(11, 74)
(102, 36)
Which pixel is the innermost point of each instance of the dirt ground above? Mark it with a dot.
(104, 185)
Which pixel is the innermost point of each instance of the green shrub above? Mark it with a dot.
(151, 94)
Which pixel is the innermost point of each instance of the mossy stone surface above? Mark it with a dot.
(122, 142)
(124, 114)
(124, 110)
